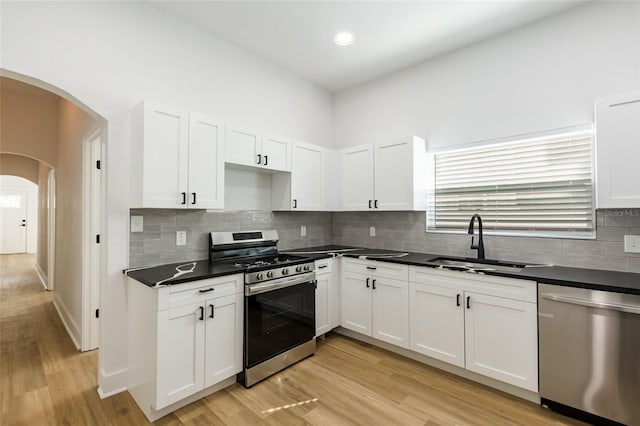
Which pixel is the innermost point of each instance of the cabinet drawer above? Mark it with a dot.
(380, 269)
(324, 266)
(197, 291)
(509, 288)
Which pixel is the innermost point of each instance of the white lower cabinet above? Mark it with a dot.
(375, 300)
(183, 339)
(485, 324)
(327, 297)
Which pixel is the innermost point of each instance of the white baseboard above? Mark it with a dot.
(113, 383)
(72, 327)
(42, 276)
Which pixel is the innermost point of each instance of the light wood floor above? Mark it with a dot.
(45, 380)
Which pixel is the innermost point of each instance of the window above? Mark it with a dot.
(539, 185)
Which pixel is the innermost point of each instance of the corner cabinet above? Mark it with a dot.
(618, 151)
(327, 297)
(177, 159)
(375, 300)
(485, 324)
(251, 148)
(385, 176)
(184, 340)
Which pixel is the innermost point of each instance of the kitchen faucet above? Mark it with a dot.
(480, 245)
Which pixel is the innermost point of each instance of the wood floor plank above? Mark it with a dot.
(45, 380)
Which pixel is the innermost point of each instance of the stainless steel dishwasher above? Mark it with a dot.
(589, 352)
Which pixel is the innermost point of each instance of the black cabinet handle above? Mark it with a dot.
(369, 203)
(457, 300)
(201, 313)
(315, 284)
(295, 204)
(212, 314)
(184, 198)
(194, 197)
(468, 302)
(206, 290)
(373, 268)
(322, 266)
(373, 284)
(266, 160)
(375, 204)
(259, 159)
(368, 282)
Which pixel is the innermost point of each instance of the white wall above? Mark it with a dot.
(111, 55)
(543, 76)
(22, 184)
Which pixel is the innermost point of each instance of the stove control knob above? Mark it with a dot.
(269, 274)
(307, 268)
(298, 268)
(285, 271)
(260, 275)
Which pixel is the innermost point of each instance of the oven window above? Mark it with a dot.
(277, 321)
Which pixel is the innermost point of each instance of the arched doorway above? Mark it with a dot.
(42, 123)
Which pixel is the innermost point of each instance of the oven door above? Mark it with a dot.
(278, 317)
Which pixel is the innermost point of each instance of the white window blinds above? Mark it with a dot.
(534, 185)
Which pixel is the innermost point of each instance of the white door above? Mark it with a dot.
(501, 339)
(390, 311)
(437, 322)
(307, 177)
(223, 342)
(356, 303)
(242, 146)
(393, 175)
(180, 353)
(276, 153)
(206, 163)
(357, 178)
(165, 162)
(322, 304)
(13, 221)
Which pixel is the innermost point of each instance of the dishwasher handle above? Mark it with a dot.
(630, 309)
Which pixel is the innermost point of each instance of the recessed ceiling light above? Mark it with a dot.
(344, 39)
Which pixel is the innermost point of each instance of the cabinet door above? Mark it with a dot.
(618, 151)
(357, 178)
(394, 175)
(276, 153)
(242, 146)
(356, 303)
(437, 322)
(223, 347)
(180, 370)
(165, 158)
(307, 177)
(501, 339)
(390, 311)
(206, 163)
(322, 304)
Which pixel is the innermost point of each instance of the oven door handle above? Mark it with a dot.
(279, 283)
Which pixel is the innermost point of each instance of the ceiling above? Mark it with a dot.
(390, 35)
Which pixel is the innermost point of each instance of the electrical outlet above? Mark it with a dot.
(137, 223)
(632, 243)
(303, 231)
(372, 231)
(181, 238)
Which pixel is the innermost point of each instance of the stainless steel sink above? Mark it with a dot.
(480, 264)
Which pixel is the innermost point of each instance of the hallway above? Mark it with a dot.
(43, 378)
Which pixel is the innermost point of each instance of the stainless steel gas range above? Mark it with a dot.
(279, 303)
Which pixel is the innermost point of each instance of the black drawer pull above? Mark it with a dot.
(207, 290)
(373, 268)
(322, 266)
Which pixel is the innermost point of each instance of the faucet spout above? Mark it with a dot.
(480, 245)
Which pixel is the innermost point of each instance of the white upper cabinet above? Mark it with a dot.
(249, 147)
(385, 176)
(305, 187)
(177, 159)
(618, 151)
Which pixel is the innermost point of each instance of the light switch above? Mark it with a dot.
(372, 231)
(137, 223)
(181, 238)
(632, 243)
(303, 231)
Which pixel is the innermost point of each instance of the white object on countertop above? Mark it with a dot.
(180, 270)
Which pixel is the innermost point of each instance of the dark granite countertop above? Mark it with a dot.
(621, 282)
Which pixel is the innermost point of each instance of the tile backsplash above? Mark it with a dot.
(394, 231)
